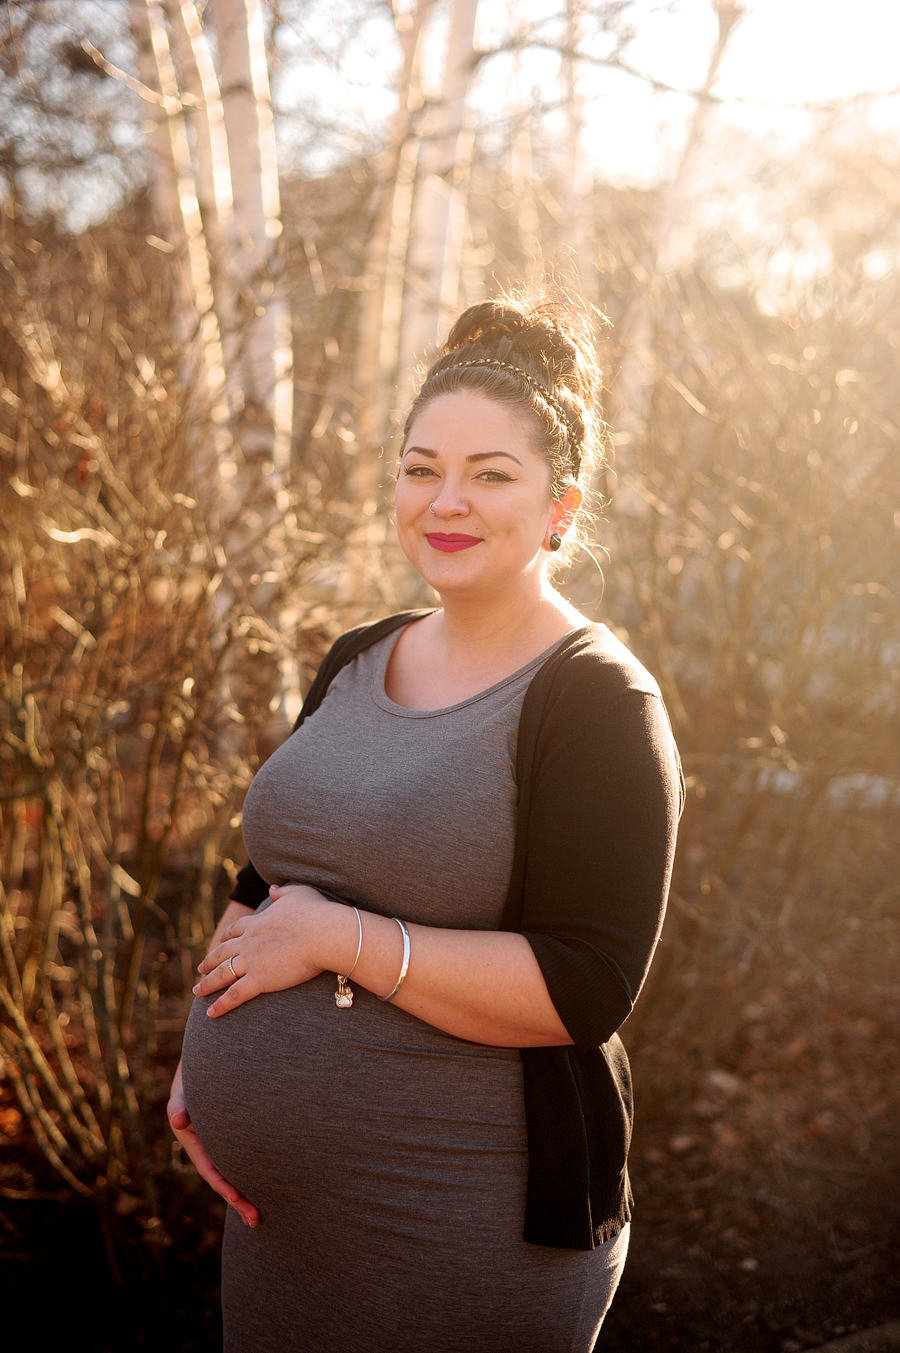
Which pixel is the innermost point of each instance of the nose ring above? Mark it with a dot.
(431, 509)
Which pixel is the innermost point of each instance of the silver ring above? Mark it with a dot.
(431, 509)
(231, 966)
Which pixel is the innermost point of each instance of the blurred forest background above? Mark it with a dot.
(224, 246)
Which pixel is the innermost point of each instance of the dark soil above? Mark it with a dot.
(768, 1202)
(54, 1272)
(767, 1208)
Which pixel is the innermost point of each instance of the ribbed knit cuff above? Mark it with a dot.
(589, 998)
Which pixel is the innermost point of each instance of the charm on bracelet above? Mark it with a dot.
(343, 996)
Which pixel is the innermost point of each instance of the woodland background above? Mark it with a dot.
(214, 289)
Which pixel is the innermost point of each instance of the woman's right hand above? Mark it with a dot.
(181, 1125)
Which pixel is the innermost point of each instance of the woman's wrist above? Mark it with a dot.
(337, 932)
(381, 956)
(330, 935)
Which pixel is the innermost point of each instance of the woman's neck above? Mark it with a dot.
(479, 630)
(470, 645)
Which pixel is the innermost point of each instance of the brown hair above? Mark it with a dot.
(537, 357)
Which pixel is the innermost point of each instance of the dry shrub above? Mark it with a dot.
(755, 556)
(146, 629)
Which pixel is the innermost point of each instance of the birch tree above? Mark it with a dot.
(264, 357)
(176, 197)
(386, 252)
(215, 192)
(636, 374)
(434, 255)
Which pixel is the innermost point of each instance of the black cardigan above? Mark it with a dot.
(600, 792)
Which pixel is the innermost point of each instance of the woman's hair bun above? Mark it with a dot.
(550, 333)
(487, 323)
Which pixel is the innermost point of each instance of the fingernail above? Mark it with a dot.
(196, 989)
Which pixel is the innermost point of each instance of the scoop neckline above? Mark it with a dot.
(384, 701)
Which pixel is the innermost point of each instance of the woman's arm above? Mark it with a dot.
(484, 986)
(180, 1119)
(601, 841)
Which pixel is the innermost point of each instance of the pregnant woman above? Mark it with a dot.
(402, 1066)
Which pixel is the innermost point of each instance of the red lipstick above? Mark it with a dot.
(451, 543)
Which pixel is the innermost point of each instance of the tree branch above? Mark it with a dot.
(663, 87)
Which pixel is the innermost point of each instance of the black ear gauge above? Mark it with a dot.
(555, 541)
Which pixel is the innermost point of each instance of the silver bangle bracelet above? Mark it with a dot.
(343, 996)
(405, 963)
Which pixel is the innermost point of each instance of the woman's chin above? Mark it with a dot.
(450, 573)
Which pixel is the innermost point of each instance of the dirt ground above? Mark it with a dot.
(767, 1210)
(767, 1207)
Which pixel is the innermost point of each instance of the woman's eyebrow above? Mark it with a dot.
(489, 455)
(476, 456)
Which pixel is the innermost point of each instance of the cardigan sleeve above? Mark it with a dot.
(604, 802)
(250, 888)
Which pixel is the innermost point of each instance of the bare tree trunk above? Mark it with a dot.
(380, 312)
(264, 430)
(577, 261)
(163, 184)
(635, 379)
(213, 168)
(439, 212)
(181, 214)
(218, 198)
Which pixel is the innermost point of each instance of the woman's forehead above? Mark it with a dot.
(468, 423)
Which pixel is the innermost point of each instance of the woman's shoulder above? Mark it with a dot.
(344, 649)
(594, 664)
(594, 695)
(352, 642)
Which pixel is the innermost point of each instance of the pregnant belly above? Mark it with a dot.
(300, 1104)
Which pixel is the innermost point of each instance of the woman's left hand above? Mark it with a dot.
(483, 986)
(269, 950)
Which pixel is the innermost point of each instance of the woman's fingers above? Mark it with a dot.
(226, 946)
(184, 1130)
(207, 1171)
(271, 951)
(243, 990)
(219, 973)
(222, 952)
(238, 987)
(236, 929)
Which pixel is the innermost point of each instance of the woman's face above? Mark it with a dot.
(474, 511)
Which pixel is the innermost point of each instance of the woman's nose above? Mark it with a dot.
(450, 502)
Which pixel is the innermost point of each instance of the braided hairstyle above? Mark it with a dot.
(536, 357)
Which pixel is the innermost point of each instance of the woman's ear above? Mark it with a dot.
(565, 508)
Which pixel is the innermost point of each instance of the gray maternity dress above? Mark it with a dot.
(388, 1159)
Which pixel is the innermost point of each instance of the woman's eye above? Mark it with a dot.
(494, 477)
(418, 471)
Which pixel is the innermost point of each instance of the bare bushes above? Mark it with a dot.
(140, 669)
(755, 547)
